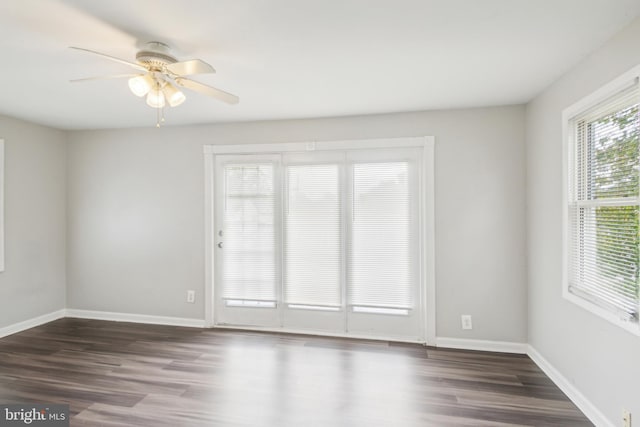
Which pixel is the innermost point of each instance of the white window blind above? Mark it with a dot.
(380, 267)
(313, 239)
(603, 205)
(249, 271)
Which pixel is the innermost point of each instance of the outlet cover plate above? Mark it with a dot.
(466, 321)
(191, 297)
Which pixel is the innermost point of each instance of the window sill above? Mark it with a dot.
(632, 327)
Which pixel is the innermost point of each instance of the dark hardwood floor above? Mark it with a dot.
(125, 374)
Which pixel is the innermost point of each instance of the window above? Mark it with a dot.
(313, 236)
(250, 235)
(381, 227)
(602, 212)
(1, 205)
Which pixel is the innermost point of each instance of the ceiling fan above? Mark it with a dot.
(160, 74)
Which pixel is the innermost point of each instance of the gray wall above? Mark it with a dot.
(600, 359)
(136, 225)
(33, 282)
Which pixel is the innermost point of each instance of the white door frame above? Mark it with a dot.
(427, 202)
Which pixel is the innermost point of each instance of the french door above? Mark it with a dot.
(321, 241)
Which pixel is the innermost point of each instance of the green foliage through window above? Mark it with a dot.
(613, 148)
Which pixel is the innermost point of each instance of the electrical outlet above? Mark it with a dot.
(626, 418)
(191, 297)
(466, 321)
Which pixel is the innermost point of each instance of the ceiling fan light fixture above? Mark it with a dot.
(155, 98)
(173, 96)
(141, 85)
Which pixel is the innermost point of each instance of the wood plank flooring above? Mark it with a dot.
(125, 374)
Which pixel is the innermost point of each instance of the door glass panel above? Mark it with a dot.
(313, 253)
(249, 271)
(380, 256)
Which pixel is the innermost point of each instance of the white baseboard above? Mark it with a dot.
(482, 345)
(135, 318)
(588, 408)
(31, 323)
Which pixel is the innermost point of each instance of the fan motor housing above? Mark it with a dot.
(155, 55)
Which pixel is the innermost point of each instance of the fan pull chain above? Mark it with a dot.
(159, 117)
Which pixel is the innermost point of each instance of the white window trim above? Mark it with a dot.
(2, 171)
(427, 264)
(584, 104)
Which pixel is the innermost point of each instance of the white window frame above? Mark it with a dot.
(2, 171)
(427, 205)
(568, 137)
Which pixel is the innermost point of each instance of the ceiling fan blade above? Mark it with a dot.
(207, 90)
(113, 58)
(192, 66)
(114, 76)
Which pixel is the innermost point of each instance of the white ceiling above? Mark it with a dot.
(295, 58)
